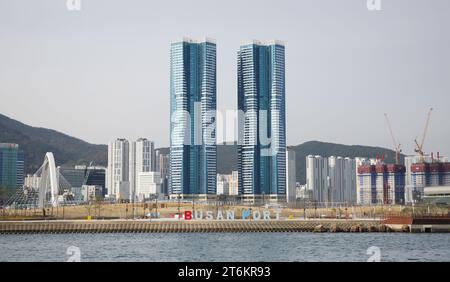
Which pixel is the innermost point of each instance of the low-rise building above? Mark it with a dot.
(149, 184)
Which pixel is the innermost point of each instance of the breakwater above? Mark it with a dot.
(183, 226)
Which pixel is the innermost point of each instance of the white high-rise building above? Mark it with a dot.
(163, 166)
(317, 178)
(342, 179)
(234, 183)
(142, 159)
(291, 177)
(360, 162)
(118, 170)
(409, 185)
(349, 181)
(227, 184)
(223, 184)
(336, 173)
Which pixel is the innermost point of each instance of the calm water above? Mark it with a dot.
(226, 247)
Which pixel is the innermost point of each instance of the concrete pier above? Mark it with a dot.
(185, 226)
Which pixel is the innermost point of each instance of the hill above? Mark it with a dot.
(69, 150)
(36, 141)
(227, 155)
(330, 149)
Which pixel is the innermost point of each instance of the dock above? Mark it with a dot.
(185, 226)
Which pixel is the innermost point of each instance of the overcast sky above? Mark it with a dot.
(103, 72)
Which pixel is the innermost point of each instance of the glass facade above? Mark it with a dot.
(12, 166)
(262, 134)
(193, 112)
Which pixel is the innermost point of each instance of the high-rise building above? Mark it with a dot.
(381, 184)
(223, 184)
(367, 176)
(261, 120)
(234, 183)
(349, 181)
(423, 172)
(193, 151)
(333, 179)
(428, 175)
(163, 166)
(342, 179)
(336, 174)
(317, 179)
(360, 162)
(118, 169)
(394, 192)
(291, 177)
(409, 187)
(227, 184)
(141, 159)
(12, 166)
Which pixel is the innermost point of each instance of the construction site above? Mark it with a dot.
(421, 179)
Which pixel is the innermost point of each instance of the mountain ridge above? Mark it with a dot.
(69, 150)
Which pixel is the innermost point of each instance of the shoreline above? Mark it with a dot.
(195, 226)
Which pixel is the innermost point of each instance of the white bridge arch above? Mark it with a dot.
(49, 182)
(46, 187)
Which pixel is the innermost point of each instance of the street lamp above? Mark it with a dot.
(179, 199)
(156, 200)
(193, 204)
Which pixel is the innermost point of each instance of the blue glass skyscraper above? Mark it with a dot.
(193, 113)
(262, 121)
(12, 169)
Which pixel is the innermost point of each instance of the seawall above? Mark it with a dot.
(184, 226)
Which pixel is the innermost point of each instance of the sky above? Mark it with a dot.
(103, 72)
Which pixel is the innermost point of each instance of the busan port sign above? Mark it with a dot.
(247, 214)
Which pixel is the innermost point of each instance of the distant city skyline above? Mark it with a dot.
(100, 73)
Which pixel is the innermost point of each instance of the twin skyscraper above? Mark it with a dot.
(261, 119)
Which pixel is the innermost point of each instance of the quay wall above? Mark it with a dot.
(181, 226)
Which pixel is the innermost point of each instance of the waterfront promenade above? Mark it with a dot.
(128, 218)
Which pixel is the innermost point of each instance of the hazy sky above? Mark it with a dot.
(103, 72)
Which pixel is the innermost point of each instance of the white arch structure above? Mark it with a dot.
(49, 182)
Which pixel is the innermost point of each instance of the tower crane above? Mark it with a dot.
(419, 147)
(397, 145)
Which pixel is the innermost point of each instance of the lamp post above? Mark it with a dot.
(179, 199)
(193, 204)
(156, 200)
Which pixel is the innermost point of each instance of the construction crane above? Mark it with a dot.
(87, 173)
(397, 145)
(419, 147)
